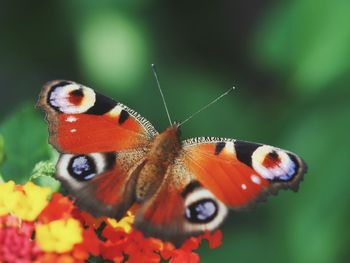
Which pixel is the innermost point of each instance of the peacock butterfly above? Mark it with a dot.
(112, 158)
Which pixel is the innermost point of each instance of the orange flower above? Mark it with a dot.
(60, 207)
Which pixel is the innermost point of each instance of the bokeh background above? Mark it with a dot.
(290, 63)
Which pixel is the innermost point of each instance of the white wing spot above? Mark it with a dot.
(244, 186)
(73, 130)
(255, 179)
(71, 119)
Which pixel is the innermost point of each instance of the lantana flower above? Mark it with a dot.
(36, 229)
(60, 235)
(26, 202)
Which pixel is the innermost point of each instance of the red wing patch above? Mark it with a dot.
(84, 133)
(230, 180)
(83, 121)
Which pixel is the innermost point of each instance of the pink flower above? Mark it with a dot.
(16, 244)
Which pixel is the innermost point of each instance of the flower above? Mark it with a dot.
(90, 245)
(35, 229)
(16, 244)
(6, 190)
(125, 223)
(215, 239)
(25, 202)
(56, 258)
(60, 207)
(59, 236)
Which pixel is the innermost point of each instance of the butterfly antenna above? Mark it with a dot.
(161, 92)
(206, 106)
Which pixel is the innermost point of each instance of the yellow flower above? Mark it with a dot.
(24, 202)
(6, 190)
(125, 223)
(60, 235)
(30, 202)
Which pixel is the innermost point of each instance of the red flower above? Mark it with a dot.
(215, 239)
(180, 256)
(87, 219)
(90, 245)
(140, 247)
(60, 207)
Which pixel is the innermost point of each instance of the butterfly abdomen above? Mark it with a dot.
(165, 148)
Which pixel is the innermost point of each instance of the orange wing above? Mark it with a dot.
(209, 175)
(239, 172)
(103, 145)
(180, 208)
(101, 183)
(83, 121)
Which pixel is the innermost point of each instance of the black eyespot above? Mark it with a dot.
(202, 211)
(82, 167)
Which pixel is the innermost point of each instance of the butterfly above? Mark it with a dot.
(112, 159)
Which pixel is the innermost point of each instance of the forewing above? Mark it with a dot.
(84, 121)
(103, 145)
(238, 172)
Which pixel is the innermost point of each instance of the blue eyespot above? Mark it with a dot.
(202, 211)
(82, 168)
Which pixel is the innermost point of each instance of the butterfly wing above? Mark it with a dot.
(84, 121)
(239, 172)
(103, 145)
(180, 208)
(210, 175)
(101, 183)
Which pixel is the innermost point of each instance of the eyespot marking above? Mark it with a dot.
(202, 211)
(70, 98)
(271, 159)
(76, 96)
(274, 164)
(82, 168)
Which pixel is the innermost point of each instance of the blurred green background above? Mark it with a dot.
(290, 62)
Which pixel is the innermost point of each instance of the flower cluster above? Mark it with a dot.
(36, 229)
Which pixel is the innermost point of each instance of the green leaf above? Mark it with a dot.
(25, 134)
(43, 173)
(43, 168)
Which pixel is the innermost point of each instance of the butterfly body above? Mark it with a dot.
(112, 159)
(164, 149)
